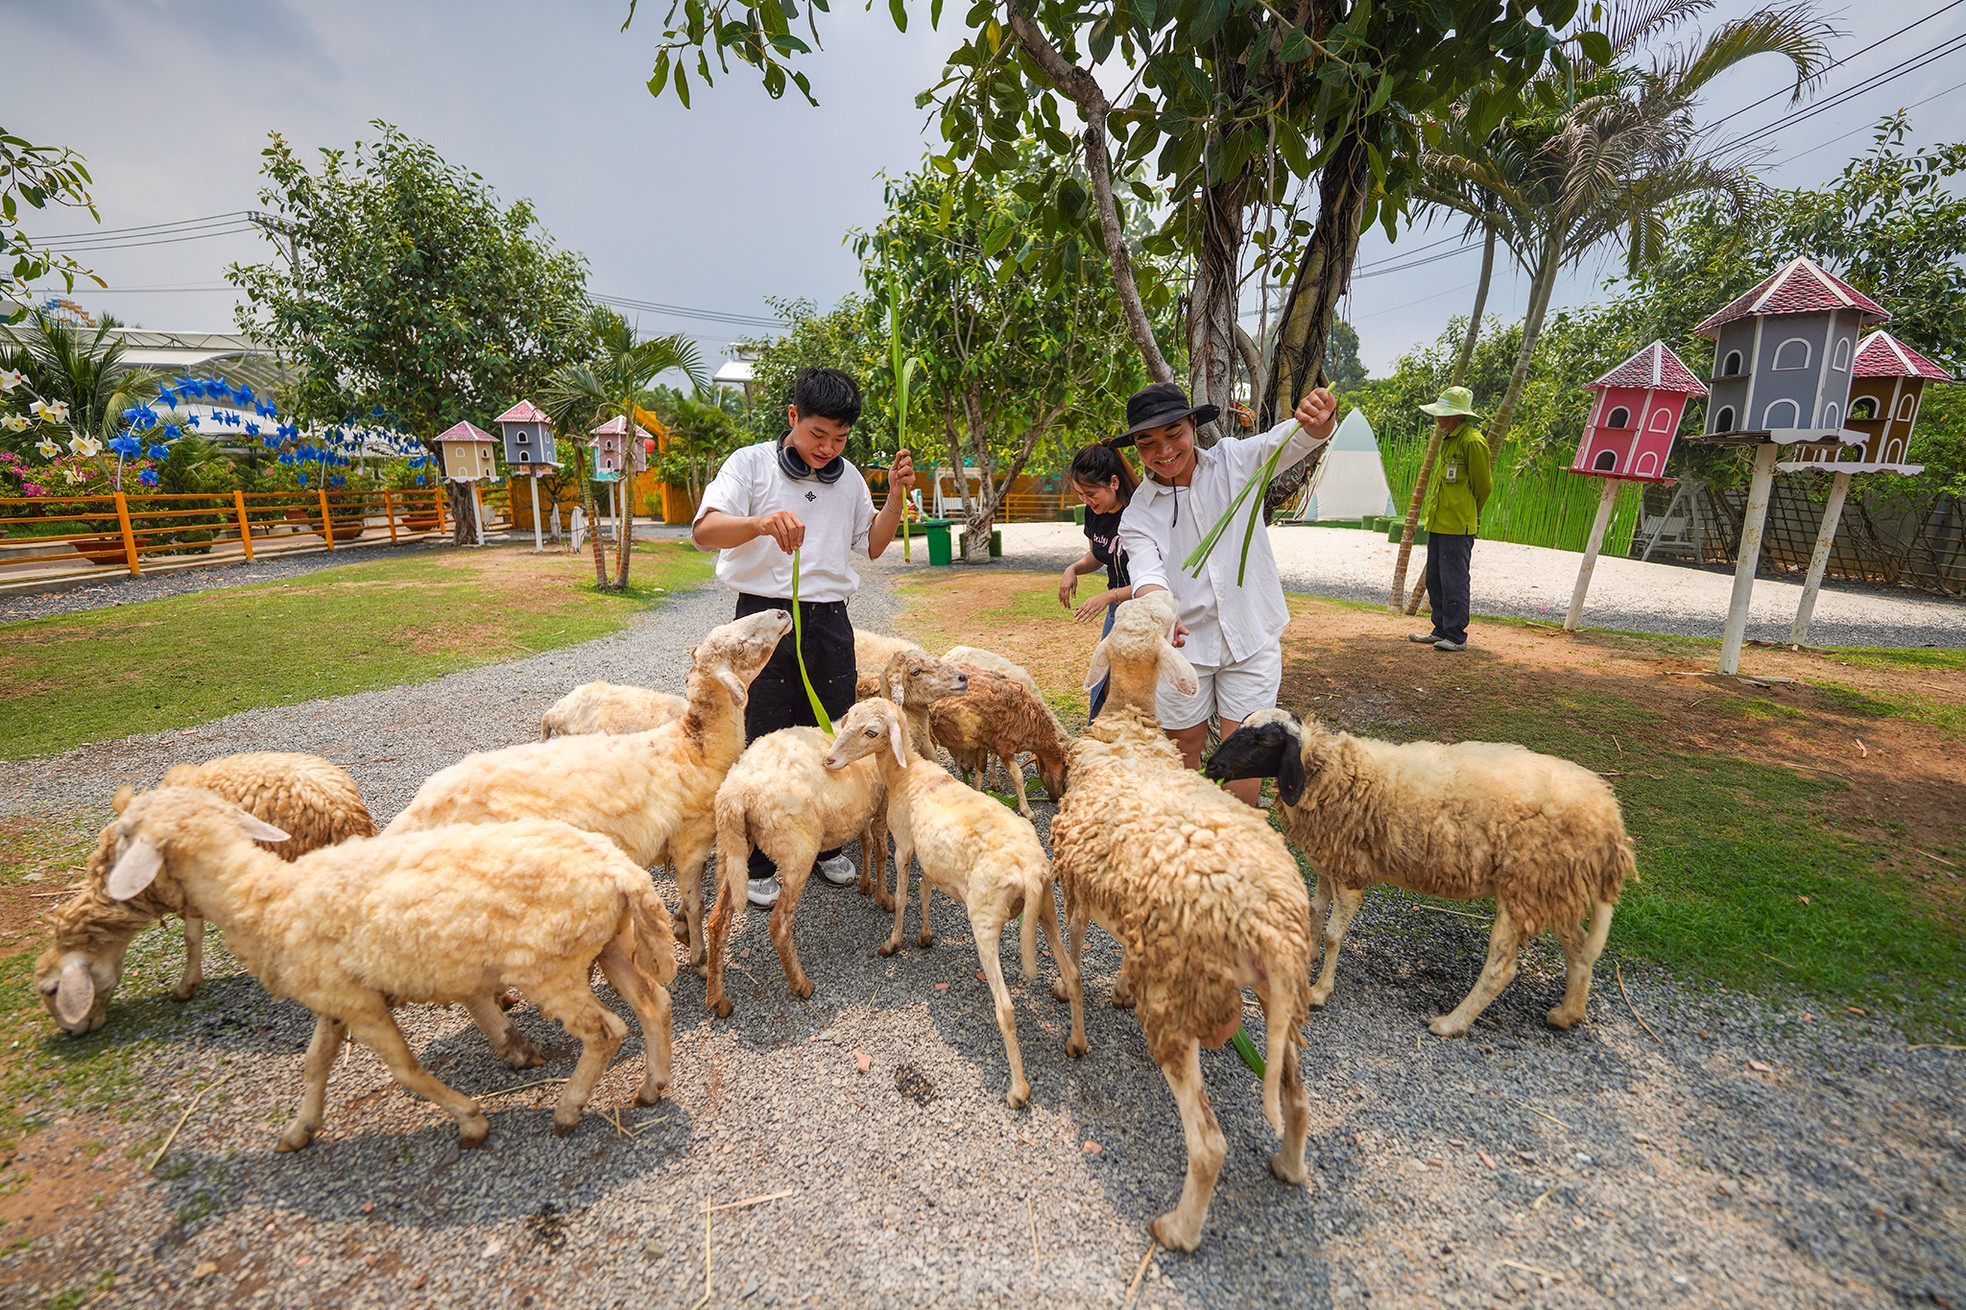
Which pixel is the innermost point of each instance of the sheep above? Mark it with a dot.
(871, 652)
(440, 916)
(1202, 896)
(975, 657)
(609, 707)
(304, 795)
(780, 798)
(970, 848)
(651, 793)
(1543, 836)
(998, 717)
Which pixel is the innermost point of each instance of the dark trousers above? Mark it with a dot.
(778, 696)
(1098, 701)
(1447, 583)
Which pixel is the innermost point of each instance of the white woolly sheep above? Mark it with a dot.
(970, 848)
(651, 793)
(996, 719)
(780, 798)
(1543, 836)
(609, 707)
(439, 917)
(975, 657)
(304, 795)
(1201, 895)
(871, 652)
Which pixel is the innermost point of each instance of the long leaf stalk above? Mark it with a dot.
(1260, 484)
(799, 650)
(1250, 1055)
(904, 376)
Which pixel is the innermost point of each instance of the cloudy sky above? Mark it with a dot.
(709, 210)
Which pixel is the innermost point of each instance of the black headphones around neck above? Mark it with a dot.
(798, 470)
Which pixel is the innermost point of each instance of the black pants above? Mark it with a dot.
(1447, 583)
(778, 696)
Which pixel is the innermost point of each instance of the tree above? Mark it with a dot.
(1341, 361)
(1017, 328)
(36, 177)
(83, 368)
(702, 430)
(405, 292)
(847, 337)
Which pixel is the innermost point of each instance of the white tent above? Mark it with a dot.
(1350, 481)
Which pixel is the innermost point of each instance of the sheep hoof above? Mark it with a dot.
(925, 940)
(524, 1055)
(1020, 1096)
(561, 1127)
(1447, 1026)
(1060, 992)
(647, 1097)
(802, 988)
(296, 1138)
(471, 1133)
(1288, 1169)
(884, 902)
(889, 947)
(1562, 1018)
(1167, 1232)
(1319, 999)
(184, 991)
(699, 960)
(1076, 1046)
(509, 998)
(1122, 1000)
(721, 1007)
(680, 928)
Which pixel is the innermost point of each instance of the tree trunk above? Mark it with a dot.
(981, 519)
(626, 540)
(1322, 275)
(1397, 599)
(464, 524)
(1532, 327)
(1212, 304)
(1464, 360)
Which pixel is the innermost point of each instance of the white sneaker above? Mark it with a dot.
(762, 892)
(839, 870)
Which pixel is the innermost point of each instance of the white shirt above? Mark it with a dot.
(1226, 623)
(838, 519)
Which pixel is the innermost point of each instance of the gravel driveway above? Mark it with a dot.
(1755, 1155)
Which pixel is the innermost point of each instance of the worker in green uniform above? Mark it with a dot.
(1455, 497)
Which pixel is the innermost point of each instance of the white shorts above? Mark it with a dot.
(1233, 691)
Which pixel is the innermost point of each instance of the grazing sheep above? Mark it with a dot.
(304, 795)
(443, 916)
(970, 848)
(1201, 895)
(871, 652)
(1543, 836)
(997, 718)
(780, 798)
(975, 657)
(651, 793)
(609, 707)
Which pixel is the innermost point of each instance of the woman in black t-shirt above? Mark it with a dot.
(1105, 484)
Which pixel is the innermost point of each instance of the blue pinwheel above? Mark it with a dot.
(303, 478)
(252, 429)
(167, 398)
(160, 452)
(148, 477)
(172, 432)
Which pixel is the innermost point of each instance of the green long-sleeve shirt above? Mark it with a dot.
(1460, 483)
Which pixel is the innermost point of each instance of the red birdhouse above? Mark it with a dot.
(1636, 416)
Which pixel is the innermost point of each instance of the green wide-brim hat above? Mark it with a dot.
(1455, 401)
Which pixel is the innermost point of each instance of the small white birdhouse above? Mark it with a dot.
(528, 437)
(609, 447)
(468, 453)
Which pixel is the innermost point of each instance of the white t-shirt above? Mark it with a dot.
(838, 519)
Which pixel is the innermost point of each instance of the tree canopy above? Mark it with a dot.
(36, 177)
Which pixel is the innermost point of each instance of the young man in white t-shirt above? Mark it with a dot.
(800, 493)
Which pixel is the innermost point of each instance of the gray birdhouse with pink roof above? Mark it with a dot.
(528, 435)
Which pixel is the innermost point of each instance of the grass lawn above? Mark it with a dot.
(1804, 837)
(169, 663)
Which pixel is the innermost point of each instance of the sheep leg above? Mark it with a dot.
(1067, 967)
(987, 937)
(1580, 952)
(1344, 903)
(1180, 1228)
(689, 850)
(903, 853)
(1016, 772)
(1288, 1162)
(374, 1027)
(792, 875)
(194, 959)
(598, 1030)
(321, 1052)
(649, 1000)
(925, 936)
(1497, 973)
(507, 1042)
(1072, 978)
(873, 862)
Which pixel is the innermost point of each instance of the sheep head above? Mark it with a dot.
(79, 972)
(1269, 744)
(737, 652)
(1139, 653)
(867, 727)
(149, 827)
(914, 679)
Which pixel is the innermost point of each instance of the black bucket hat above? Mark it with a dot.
(1156, 407)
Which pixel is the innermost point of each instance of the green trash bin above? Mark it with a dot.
(996, 543)
(1078, 515)
(937, 532)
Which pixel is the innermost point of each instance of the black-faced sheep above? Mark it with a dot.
(1543, 836)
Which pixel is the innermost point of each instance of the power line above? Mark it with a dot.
(1431, 245)
(84, 247)
(1431, 295)
(1774, 95)
(148, 228)
(1382, 270)
(1950, 45)
(685, 311)
(1865, 127)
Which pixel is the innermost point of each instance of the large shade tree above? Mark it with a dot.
(404, 292)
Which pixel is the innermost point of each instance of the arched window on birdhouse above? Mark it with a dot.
(1893, 452)
(1863, 407)
(1781, 414)
(1620, 418)
(1662, 419)
(1842, 354)
(1648, 463)
(1606, 461)
(1792, 354)
(1724, 421)
(1732, 368)
(1907, 406)
(1832, 417)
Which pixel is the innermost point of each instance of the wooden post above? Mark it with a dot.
(1839, 487)
(478, 514)
(437, 498)
(245, 524)
(389, 508)
(538, 541)
(1598, 525)
(1752, 520)
(327, 524)
(129, 537)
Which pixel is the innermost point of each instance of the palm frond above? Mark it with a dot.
(1795, 33)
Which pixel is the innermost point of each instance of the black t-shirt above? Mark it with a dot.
(1103, 531)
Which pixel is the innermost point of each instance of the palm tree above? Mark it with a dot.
(615, 384)
(1601, 153)
(81, 366)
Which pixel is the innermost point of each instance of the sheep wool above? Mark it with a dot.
(998, 717)
(871, 652)
(609, 707)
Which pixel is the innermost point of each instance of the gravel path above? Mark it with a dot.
(1757, 1156)
(1532, 582)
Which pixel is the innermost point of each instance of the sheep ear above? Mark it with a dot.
(259, 829)
(1175, 670)
(1290, 769)
(134, 870)
(1101, 665)
(738, 695)
(894, 739)
(122, 798)
(75, 995)
(898, 693)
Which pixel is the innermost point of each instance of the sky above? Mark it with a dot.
(710, 209)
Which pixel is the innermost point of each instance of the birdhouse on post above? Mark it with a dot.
(528, 437)
(1783, 363)
(1628, 439)
(613, 453)
(468, 457)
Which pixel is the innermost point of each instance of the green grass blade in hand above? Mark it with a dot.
(799, 649)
